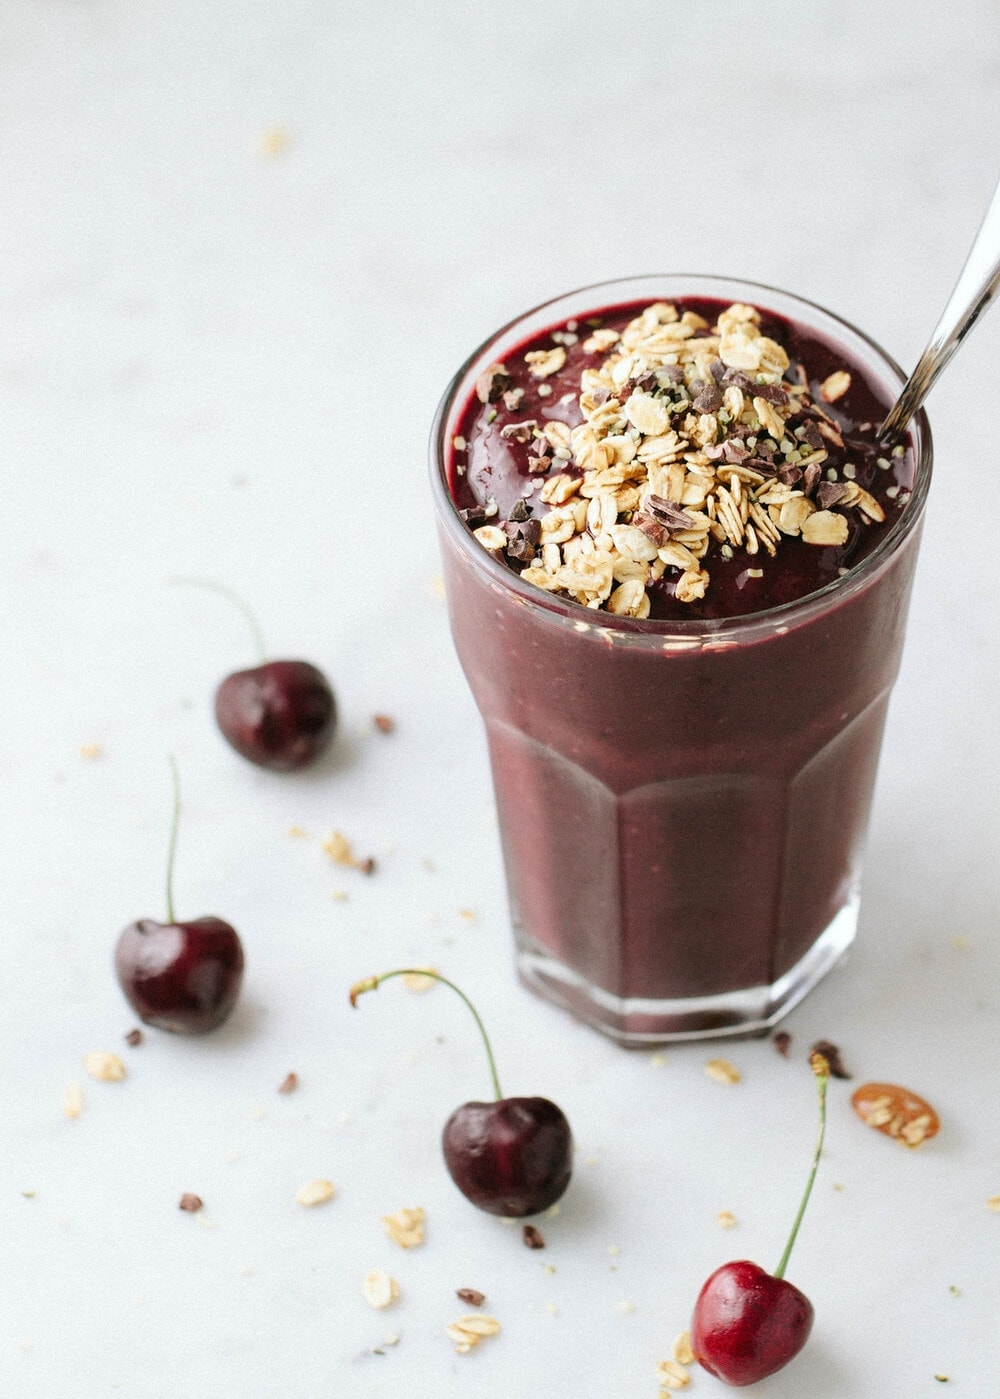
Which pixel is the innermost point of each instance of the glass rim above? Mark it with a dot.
(566, 611)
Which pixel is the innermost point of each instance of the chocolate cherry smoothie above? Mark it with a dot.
(677, 562)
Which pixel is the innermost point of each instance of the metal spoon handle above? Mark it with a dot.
(974, 290)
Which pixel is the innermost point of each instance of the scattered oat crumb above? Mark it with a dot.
(391, 1340)
(626, 1307)
(90, 751)
(258, 1113)
(614, 1251)
(419, 981)
(725, 1219)
(315, 1192)
(955, 1291)
(467, 915)
(246, 1272)
(468, 1331)
(73, 1100)
(104, 1066)
(657, 1060)
(29, 1194)
(379, 1289)
(683, 1353)
(551, 1308)
(231, 1158)
(274, 142)
(289, 1083)
(340, 896)
(298, 833)
(837, 1185)
(437, 586)
(548, 1268)
(339, 850)
(590, 1160)
(471, 1296)
(190, 1203)
(532, 1237)
(993, 1203)
(429, 864)
(722, 1071)
(134, 1037)
(941, 1379)
(385, 723)
(961, 943)
(672, 1375)
(405, 1227)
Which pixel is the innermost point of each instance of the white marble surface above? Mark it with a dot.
(221, 362)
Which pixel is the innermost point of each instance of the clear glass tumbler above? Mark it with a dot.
(682, 805)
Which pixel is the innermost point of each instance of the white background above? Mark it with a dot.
(220, 362)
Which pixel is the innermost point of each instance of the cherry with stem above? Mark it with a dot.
(512, 1156)
(278, 714)
(180, 976)
(749, 1323)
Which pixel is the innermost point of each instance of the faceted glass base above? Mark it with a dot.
(635, 1022)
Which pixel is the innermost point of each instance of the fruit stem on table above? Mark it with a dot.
(238, 602)
(172, 848)
(372, 983)
(821, 1069)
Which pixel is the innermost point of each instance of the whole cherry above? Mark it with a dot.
(278, 714)
(511, 1157)
(179, 976)
(749, 1323)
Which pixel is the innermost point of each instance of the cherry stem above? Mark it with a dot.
(171, 850)
(821, 1069)
(372, 983)
(237, 601)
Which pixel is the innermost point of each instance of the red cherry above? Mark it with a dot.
(512, 1157)
(748, 1323)
(183, 977)
(279, 715)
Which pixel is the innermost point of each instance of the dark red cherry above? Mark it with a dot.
(183, 977)
(279, 715)
(510, 1157)
(748, 1323)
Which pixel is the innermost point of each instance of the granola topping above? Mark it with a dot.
(683, 447)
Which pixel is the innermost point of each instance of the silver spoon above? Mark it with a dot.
(974, 290)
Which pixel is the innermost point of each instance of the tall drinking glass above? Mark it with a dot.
(682, 804)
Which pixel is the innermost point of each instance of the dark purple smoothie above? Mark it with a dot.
(683, 793)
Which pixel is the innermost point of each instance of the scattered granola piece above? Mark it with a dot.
(338, 848)
(471, 1296)
(274, 142)
(834, 386)
(993, 1203)
(134, 1037)
(73, 1100)
(420, 981)
(725, 1219)
(104, 1066)
(551, 1308)
(90, 751)
(289, 1083)
(315, 1192)
(782, 1042)
(467, 915)
(831, 1053)
(896, 1112)
(722, 1071)
(626, 1307)
(657, 1060)
(384, 723)
(190, 1203)
(672, 1375)
(470, 1330)
(379, 1289)
(532, 1237)
(405, 1227)
(683, 1353)
(436, 585)
(298, 833)
(942, 1379)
